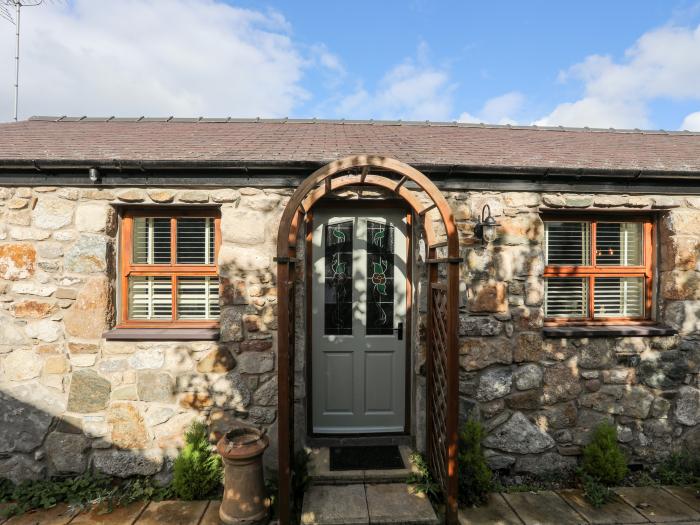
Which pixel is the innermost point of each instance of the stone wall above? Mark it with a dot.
(540, 397)
(73, 401)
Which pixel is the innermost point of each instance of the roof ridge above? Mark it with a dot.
(426, 123)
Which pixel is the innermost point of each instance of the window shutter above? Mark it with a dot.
(567, 243)
(566, 297)
(151, 243)
(619, 244)
(198, 298)
(619, 297)
(195, 240)
(150, 297)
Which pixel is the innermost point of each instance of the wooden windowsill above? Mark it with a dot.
(649, 330)
(162, 334)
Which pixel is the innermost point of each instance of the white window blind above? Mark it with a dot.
(198, 298)
(150, 298)
(151, 243)
(566, 297)
(568, 243)
(618, 243)
(619, 297)
(195, 240)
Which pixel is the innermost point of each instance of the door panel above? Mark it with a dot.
(358, 299)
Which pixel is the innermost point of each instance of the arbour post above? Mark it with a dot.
(442, 367)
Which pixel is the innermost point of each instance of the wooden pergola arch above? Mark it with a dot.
(442, 365)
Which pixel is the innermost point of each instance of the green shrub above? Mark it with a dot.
(422, 480)
(595, 492)
(197, 470)
(475, 477)
(602, 458)
(679, 469)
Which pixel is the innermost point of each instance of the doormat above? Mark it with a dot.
(366, 458)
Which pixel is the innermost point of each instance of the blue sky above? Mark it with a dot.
(598, 63)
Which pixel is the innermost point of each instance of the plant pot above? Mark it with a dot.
(245, 499)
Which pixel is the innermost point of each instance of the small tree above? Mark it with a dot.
(475, 476)
(197, 470)
(603, 460)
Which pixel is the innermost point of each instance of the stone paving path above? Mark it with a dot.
(142, 513)
(679, 505)
(392, 504)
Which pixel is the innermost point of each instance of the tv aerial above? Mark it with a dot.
(11, 10)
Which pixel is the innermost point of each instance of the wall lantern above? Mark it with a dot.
(94, 174)
(486, 227)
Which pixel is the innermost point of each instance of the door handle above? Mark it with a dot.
(399, 331)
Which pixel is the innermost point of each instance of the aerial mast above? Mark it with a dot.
(6, 13)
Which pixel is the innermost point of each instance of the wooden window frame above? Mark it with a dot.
(173, 270)
(645, 270)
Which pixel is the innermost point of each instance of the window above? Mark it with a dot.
(598, 270)
(169, 272)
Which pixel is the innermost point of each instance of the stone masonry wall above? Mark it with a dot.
(540, 397)
(73, 401)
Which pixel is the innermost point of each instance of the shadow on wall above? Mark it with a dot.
(44, 434)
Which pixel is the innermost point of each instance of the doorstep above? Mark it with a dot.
(361, 504)
(321, 474)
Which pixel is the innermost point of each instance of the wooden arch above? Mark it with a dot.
(442, 365)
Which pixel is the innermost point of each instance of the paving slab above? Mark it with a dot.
(335, 505)
(180, 512)
(616, 511)
(687, 495)
(120, 516)
(495, 511)
(211, 515)
(58, 515)
(656, 505)
(542, 508)
(393, 503)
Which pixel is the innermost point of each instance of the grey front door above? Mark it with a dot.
(358, 303)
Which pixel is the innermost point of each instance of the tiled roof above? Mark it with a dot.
(105, 140)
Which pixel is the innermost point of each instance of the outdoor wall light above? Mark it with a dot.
(94, 174)
(486, 227)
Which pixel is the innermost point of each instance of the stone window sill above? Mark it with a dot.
(609, 331)
(162, 334)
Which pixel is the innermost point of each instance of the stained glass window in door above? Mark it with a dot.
(338, 279)
(380, 279)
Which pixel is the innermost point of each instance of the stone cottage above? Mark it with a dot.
(344, 281)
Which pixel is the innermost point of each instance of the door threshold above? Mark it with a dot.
(321, 474)
(348, 440)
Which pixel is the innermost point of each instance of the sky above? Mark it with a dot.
(622, 63)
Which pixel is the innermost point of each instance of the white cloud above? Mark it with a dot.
(411, 90)
(692, 122)
(497, 110)
(663, 63)
(161, 57)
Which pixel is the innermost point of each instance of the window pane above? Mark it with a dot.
(338, 286)
(566, 297)
(198, 297)
(568, 243)
(619, 243)
(151, 243)
(150, 298)
(380, 279)
(619, 297)
(195, 240)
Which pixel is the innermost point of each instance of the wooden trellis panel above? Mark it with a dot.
(437, 384)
